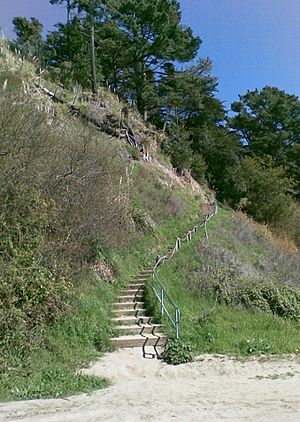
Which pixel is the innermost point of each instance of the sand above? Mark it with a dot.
(213, 388)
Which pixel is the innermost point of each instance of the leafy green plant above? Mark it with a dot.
(255, 346)
(177, 351)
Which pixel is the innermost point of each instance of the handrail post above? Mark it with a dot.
(177, 322)
(162, 301)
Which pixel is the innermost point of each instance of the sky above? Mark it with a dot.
(252, 43)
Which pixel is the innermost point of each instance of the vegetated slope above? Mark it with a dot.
(78, 216)
(238, 291)
(80, 212)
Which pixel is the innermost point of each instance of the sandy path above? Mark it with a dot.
(209, 389)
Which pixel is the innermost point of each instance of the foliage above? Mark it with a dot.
(51, 367)
(187, 96)
(261, 190)
(29, 36)
(230, 255)
(177, 352)
(268, 122)
(255, 346)
(58, 195)
(33, 288)
(133, 41)
(281, 300)
(221, 151)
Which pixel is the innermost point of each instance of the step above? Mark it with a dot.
(129, 298)
(138, 340)
(141, 276)
(131, 304)
(133, 285)
(139, 280)
(136, 291)
(138, 311)
(132, 319)
(138, 328)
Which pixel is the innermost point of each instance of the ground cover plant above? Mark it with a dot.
(230, 301)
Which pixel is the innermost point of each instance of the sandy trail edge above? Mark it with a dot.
(213, 388)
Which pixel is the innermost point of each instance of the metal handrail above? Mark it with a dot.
(162, 295)
(157, 287)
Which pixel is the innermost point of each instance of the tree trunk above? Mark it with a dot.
(68, 28)
(92, 52)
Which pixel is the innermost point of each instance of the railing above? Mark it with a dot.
(157, 287)
(163, 297)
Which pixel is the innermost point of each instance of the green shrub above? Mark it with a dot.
(33, 288)
(281, 300)
(260, 295)
(177, 352)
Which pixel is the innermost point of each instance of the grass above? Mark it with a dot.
(51, 368)
(213, 327)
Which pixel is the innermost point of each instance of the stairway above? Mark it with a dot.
(135, 328)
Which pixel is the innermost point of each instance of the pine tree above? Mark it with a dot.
(29, 36)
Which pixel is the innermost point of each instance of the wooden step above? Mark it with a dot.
(138, 280)
(137, 312)
(132, 319)
(129, 298)
(138, 340)
(141, 277)
(133, 285)
(138, 329)
(131, 305)
(132, 291)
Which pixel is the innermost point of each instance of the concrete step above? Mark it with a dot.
(138, 329)
(136, 312)
(129, 305)
(131, 319)
(138, 340)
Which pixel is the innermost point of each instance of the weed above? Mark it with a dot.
(255, 346)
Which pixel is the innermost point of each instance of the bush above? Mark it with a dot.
(177, 351)
(33, 287)
(59, 195)
(281, 300)
(266, 296)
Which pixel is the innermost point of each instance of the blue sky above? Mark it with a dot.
(252, 43)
